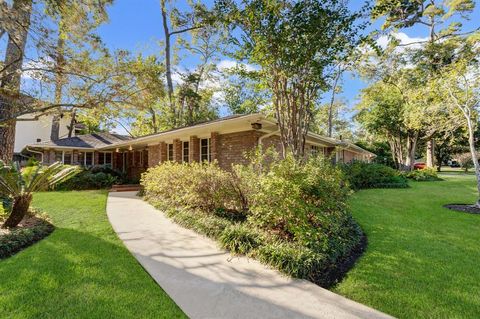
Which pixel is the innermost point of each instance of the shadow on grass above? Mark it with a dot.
(74, 274)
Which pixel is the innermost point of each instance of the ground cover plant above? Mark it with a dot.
(363, 175)
(422, 259)
(290, 215)
(425, 174)
(82, 270)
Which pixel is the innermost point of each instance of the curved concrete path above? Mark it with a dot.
(207, 282)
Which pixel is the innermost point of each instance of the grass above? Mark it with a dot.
(82, 270)
(422, 260)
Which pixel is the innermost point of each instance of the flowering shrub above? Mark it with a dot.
(425, 174)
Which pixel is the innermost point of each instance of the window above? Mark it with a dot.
(170, 152)
(205, 150)
(67, 158)
(186, 152)
(59, 157)
(140, 160)
(105, 158)
(85, 159)
(314, 150)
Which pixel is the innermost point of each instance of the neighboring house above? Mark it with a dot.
(225, 140)
(36, 131)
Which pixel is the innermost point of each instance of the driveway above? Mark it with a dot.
(207, 282)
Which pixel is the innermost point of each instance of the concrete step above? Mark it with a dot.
(125, 188)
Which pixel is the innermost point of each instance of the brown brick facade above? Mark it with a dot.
(177, 150)
(194, 149)
(232, 147)
(153, 155)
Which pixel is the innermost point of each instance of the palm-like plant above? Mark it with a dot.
(20, 187)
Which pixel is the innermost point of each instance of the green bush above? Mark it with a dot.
(425, 174)
(92, 178)
(361, 175)
(18, 239)
(288, 214)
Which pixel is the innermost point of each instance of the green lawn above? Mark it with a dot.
(82, 270)
(422, 260)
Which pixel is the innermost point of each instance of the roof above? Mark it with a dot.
(95, 140)
(107, 140)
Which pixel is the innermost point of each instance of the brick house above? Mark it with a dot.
(225, 140)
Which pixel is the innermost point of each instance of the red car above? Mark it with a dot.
(419, 165)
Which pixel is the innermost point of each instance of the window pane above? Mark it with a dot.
(170, 152)
(204, 150)
(101, 158)
(58, 156)
(89, 159)
(108, 158)
(67, 158)
(186, 151)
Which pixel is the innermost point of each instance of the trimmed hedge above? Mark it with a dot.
(363, 175)
(423, 175)
(20, 238)
(292, 216)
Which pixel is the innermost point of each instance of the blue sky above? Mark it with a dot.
(136, 25)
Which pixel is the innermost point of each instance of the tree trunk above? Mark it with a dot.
(11, 76)
(473, 152)
(411, 148)
(71, 127)
(20, 207)
(59, 81)
(168, 63)
(430, 152)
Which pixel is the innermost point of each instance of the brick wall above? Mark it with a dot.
(194, 149)
(177, 150)
(153, 155)
(232, 147)
(163, 152)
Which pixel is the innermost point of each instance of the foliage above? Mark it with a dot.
(96, 177)
(19, 186)
(253, 208)
(18, 239)
(426, 174)
(464, 159)
(295, 43)
(371, 175)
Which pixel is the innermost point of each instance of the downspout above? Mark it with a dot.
(261, 138)
(37, 152)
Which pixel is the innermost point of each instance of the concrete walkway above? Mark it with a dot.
(207, 282)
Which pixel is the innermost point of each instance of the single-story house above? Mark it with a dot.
(225, 140)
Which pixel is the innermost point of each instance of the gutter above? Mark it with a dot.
(261, 138)
(36, 152)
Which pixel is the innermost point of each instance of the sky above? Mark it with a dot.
(136, 25)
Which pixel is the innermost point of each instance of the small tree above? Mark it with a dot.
(461, 82)
(19, 187)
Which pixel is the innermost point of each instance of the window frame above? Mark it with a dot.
(209, 151)
(170, 152)
(103, 155)
(187, 148)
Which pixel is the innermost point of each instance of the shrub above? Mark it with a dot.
(92, 178)
(198, 186)
(371, 175)
(426, 174)
(17, 239)
(290, 215)
(240, 239)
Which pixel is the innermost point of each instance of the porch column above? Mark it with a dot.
(163, 152)
(214, 141)
(177, 150)
(194, 154)
(95, 158)
(153, 155)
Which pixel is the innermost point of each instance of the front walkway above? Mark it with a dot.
(207, 282)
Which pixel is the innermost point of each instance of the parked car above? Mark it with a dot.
(419, 165)
(454, 164)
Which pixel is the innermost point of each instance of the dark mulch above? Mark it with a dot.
(30, 230)
(464, 208)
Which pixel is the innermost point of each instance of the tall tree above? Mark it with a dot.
(295, 43)
(11, 74)
(435, 16)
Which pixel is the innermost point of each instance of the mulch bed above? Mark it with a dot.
(464, 208)
(30, 230)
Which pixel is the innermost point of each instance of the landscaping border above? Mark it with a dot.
(21, 238)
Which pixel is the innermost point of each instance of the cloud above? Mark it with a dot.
(35, 69)
(405, 40)
(229, 64)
